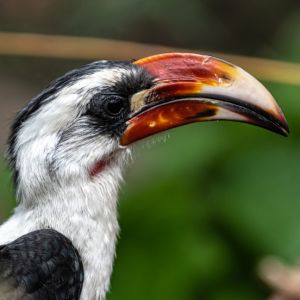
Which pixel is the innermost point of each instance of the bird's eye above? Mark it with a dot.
(114, 105)
(108, 107)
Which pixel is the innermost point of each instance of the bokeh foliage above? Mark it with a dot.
(204, 203)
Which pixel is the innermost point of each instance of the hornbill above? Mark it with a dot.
(67, 149)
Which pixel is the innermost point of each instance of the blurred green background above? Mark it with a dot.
(202, 204)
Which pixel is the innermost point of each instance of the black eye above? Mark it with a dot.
(114, 105)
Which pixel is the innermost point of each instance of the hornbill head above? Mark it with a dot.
(68, 145)
(86, 119)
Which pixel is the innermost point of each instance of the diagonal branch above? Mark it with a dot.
(87, 48)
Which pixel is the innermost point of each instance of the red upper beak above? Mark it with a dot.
(192, 88)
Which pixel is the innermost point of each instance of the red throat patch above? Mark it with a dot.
(98, 167)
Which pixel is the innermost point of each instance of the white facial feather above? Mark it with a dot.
(39, 135)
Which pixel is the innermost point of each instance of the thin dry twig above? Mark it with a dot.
(86, 48)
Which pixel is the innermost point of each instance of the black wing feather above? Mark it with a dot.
(43, 264)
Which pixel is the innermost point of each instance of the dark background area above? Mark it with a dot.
(202, 204)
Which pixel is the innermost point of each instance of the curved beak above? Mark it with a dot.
(193, 88)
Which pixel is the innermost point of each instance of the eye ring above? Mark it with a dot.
(114, 106)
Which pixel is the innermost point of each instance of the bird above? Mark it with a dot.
(68, 148)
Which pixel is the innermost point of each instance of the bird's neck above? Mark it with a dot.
(84, 209)
(91, 191)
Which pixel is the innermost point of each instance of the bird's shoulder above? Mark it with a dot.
(42, 264)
